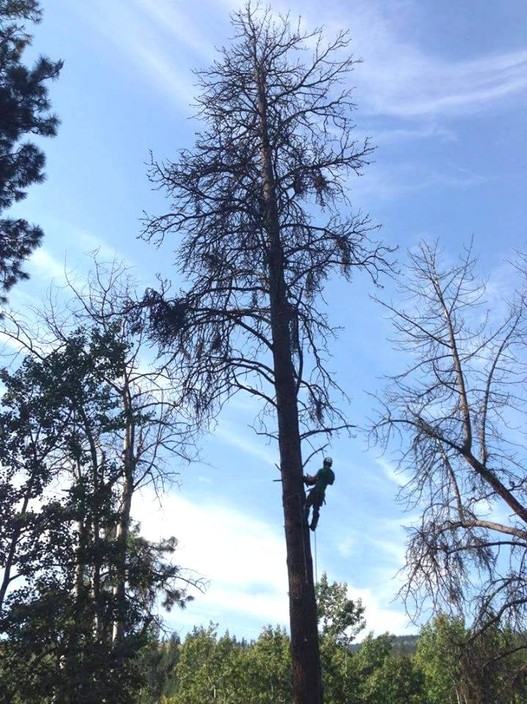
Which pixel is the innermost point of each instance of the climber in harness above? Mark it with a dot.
(317, 494)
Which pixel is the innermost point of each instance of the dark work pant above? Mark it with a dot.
(314, 499)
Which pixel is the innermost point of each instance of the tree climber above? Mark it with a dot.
(317, 494)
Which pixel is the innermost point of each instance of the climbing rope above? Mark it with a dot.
(303, 536)
(316, 566)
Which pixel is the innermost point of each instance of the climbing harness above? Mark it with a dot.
(303, 520)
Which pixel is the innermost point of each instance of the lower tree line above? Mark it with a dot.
(445, 664)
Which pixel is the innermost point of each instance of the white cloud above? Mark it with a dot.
(10, 346)
(243, 558)
(395, 474)
(172, 20)
(88, 243)
(398, 79)
(347, 545)
(166, 40)
(411, 134)
(385, 180)
(161, 40)
(392, 548)
(504, 281)
(381, 619)
(161, 69)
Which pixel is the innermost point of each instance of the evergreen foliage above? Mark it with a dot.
(24, 111)
(60, 484)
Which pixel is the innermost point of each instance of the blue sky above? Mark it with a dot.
(442, 91)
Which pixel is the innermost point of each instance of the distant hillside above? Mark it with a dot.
(404, 645)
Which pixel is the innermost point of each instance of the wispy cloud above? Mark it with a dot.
(43, 264)
(165, 40)
(398, 79)
(377, 564)
(388, 181)
(504, 281)
(406, 83)
(395, 474)
(254, 446)
(180, 24)
(393, 548)
(428, 130)
(89, 245)
(44, 267)
(381, 619)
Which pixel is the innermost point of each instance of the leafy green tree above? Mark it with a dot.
(261, 205)
(267, 668)
(208, 669)
(39, 442)
(58, 576)
(147, 426)
(385, 677)
(212, 668)
(24, 110)
(60, 602)
(62, 470)
(341, 619)
(470, 666)
(439, 656)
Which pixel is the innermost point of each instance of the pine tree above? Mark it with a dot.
(24, 110)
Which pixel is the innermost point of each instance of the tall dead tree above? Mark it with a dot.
(258, 202)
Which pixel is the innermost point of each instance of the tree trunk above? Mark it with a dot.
(7, 578)
(121, 537)
(123, 525)
(305, 651)
(302, 604)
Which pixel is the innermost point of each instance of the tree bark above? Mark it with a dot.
(306, 672)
